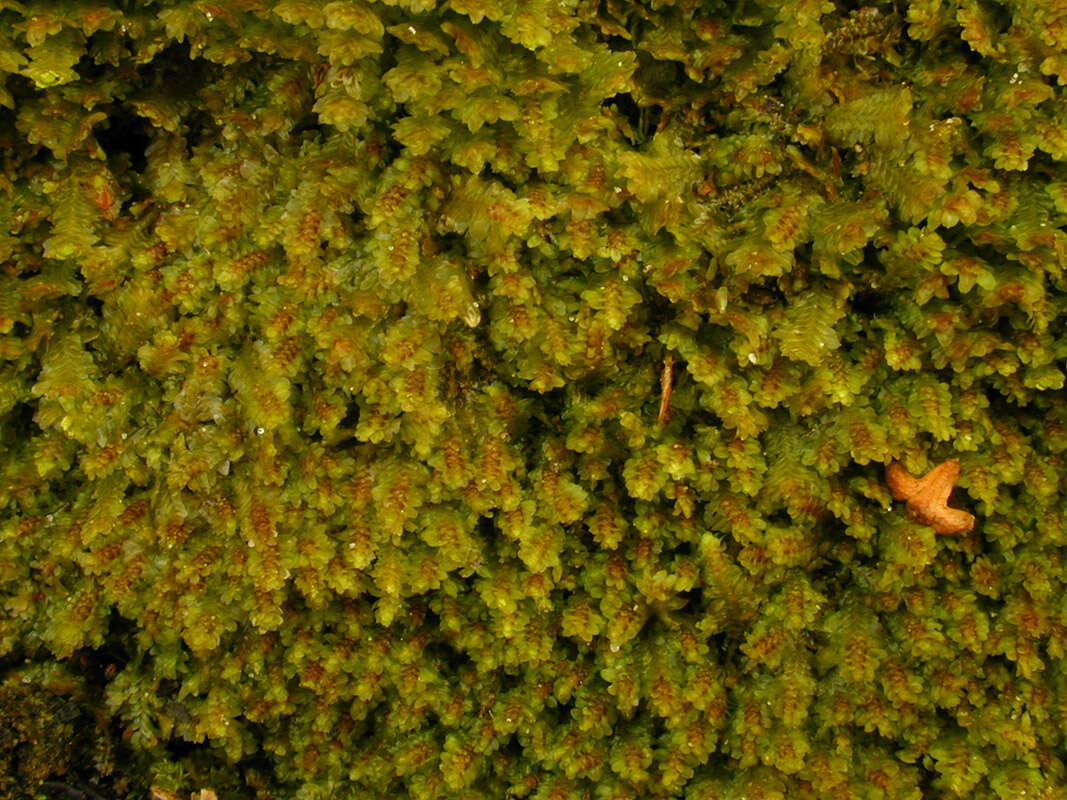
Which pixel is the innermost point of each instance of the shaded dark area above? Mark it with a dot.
(197, 125)
(98, 666)
(643, 119)
(19, 422)
(625, 105)
(125, 134)
(61, 790)
(310, 125)
(53, 738)
(870, 303)
(351, 417)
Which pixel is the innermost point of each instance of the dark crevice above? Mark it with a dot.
(20, 422)
(56, 789)
(125, 134)
(870, 303)
(626, 106)
(308, 125)
(644, 120)
(351, 417)
(197, 126)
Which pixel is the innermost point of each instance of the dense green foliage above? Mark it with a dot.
(333, 342)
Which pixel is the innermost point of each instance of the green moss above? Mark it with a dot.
(54, 739)
(482, 399)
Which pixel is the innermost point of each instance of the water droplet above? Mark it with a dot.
(251, 543)
(613, 647)
(259, 431)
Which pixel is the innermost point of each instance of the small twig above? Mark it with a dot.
(666, 384)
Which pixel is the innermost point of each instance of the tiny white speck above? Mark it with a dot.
(259, 431)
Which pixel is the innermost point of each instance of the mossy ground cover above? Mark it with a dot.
(482, 399)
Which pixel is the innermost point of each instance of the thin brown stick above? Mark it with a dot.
(666, 384)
